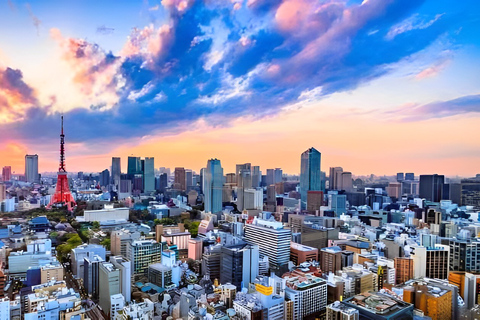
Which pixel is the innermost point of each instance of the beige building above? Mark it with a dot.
(51, 272)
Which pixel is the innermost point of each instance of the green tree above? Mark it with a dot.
(96, 225)
(193, 228)
(106, 243)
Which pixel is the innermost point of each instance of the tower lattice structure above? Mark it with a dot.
(62, 195)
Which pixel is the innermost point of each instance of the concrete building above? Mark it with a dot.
(179, 179)
(85, 250)
(300, 253)
(51, 272)
(120, 239)
(331, 259)
(403, 269)
(160, 275)
(431, 187)
(314, 201)
(117, 303)
(308, 293)
(239, 264)
(109, 213)
(372, 305)
(91, 274)
(116, 172)
(125, 268)
(31, 168)
(109, 285)
(143, 253)
(195, 249)
(339, 311)
(272, 239)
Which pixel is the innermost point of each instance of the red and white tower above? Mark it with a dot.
(62, 195)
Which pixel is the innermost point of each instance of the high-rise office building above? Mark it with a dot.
(272, 239)
(31, 168)
(309, 174)
(134, 166)
(180, 180)
(7, 173)
(409, 176)
(109, 285)
(331, 259)
(143, 253)
(400, 177)
(335, 178)
(309, 297)
(403, 269)
(256, 176)
(278, 175)
(188, 179)
(116, 172)
(213, 186)
(91, 274)
(149, 175)
(244, 182)
(270, 177)
(245, 166)
(125, 268)
(314, 201)
(347, 181)
(3, 194)
(431, 187)
(239, 264)
(161, 182)
(104, 178)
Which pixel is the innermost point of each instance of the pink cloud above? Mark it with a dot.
(15, 95)
(94, 72)
(432, 70)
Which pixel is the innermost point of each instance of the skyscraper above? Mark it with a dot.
(134, 166)
(7, 173)
(309, 174)
(270, 176)
(278, 175)
(256, 176)
(180, 180)
(31, 168)
(431, 187)
(213, 186)
(244, 181)
(116, 172)
(335, 178)
(272, 239)
(239, 264)
(104, 178)
(149, 175)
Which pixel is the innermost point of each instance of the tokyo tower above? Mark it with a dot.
(62, 195)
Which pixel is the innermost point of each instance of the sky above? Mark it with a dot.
(377, 86)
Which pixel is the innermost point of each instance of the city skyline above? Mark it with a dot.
(242, 81)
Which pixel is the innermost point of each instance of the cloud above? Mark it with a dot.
(105, 30)
(439, 109)
(15, 95)
(272, 54)
(412, 23)
(36, 22)
(433, 70)
(93, 71)
(11, 5)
